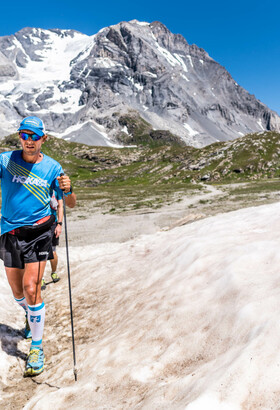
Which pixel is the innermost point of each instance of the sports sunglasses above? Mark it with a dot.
(25, 136)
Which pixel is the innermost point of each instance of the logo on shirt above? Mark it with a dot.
(21, 179)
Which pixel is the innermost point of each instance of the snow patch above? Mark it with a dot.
(142, 23)
(149, 74)
(94, 125)
(181, 61)
(66, 101)
(35, 40)
(192, 132)
(138, 86)
(19, 46)
(212, 92)
(86, 51)
(124, 129)
(190, 60)
(184, 77)
(259, 122)
(47, 73)
(168, 56)
(48, 70)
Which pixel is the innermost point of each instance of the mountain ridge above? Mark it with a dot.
(82, 85)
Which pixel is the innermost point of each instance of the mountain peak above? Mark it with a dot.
(82, 85)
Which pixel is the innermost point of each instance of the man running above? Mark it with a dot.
(28, 177)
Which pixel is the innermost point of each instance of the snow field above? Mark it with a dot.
(183, 319)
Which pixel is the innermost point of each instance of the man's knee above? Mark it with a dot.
(31, 291)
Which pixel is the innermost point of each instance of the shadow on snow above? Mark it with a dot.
(9, 338)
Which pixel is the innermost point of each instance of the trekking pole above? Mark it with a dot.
(69, 285)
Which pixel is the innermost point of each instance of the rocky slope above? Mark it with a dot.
(84, 86)
(249, 158)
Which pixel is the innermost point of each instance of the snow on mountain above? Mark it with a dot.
(43, 63)
(183, 319)
(71, 79)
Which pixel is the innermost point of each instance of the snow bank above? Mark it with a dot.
(184, 319)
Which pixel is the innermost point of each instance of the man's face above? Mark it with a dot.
(29, 146)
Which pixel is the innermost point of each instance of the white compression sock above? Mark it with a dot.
(22, 302)
(36, 319)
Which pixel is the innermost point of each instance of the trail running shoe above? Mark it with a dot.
(55, 277)
(27, 331)
(35, 362)
(43, 284)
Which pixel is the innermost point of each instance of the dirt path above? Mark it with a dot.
(91, 225)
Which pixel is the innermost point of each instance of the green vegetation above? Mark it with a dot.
(140, 132)
(153, 175)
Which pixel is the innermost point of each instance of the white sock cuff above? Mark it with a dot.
(23, 303)
(19, 300)
(35, 308)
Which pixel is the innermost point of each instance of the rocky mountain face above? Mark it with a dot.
(129, 82)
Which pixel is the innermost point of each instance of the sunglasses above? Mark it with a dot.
(25, 136)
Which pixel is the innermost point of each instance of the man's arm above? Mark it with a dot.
(65, 186)
(59, 212)
(70, 200)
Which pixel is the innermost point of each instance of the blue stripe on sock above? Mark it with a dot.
(19, 300)
(34, 309)
(36, 342)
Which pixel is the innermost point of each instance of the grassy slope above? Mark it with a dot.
(130, 178)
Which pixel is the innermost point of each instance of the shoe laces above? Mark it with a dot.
(33, 356)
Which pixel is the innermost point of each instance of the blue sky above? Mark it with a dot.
(243, 36)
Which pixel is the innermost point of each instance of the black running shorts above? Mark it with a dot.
(16, 251)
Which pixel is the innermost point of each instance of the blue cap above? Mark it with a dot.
(33, 124)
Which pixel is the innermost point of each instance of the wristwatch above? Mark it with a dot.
(59, 223)
(69, 192)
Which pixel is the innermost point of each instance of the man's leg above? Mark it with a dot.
(15, 279)
(22, 302)
(54, 262)
(36, 315)
(33, 274)
(32, 292)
